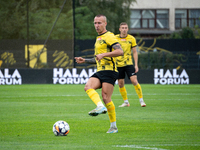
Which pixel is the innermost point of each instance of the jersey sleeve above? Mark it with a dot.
(111, 40)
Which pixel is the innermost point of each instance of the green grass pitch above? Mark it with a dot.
(171, 120)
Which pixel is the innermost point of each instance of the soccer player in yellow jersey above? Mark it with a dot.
(125, 64)
(106, 49)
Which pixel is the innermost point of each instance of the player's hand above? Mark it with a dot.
(99, 57)
(136, 69)
(79, 60)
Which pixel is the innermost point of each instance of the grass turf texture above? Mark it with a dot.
(170, 121)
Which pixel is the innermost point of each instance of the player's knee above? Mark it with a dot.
(104, 96)
(134, 82)
(121, 85)
(86, 88)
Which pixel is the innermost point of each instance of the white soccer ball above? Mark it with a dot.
(61, 128)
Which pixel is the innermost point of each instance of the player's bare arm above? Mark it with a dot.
(117, 46)
(81, 60)
(117, 52)
(90, 61)
(135, 57)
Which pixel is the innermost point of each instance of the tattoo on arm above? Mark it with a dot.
(90, 61)
(117, 46)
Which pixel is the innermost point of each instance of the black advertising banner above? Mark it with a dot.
(80, 76)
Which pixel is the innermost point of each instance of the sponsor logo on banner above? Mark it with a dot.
(161, 77)
(8, 79)
(71, 76)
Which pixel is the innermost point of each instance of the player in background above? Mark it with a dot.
(125, 64)
(106, 49)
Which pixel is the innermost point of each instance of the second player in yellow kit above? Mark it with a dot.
(125, 65)
(127, 43)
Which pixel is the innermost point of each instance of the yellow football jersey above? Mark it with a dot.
(103, 44)
(127, 44)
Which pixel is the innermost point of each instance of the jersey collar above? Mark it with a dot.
(123, 37)
(102, 33)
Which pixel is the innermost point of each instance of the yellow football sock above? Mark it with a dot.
(94, 96)
(111, 111)
(138, 90)
(123, 93)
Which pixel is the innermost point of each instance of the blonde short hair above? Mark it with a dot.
(123, 23)
(100, 15)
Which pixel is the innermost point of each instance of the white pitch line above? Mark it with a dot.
(137, 146)
(114, 94)
(182, 144)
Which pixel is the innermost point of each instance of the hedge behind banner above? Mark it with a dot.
(152, 53)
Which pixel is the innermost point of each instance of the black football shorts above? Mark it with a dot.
(106, 76)
(129, 70)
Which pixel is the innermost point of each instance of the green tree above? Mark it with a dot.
(84, 28)
(187, 33)
(42, 15)
(175, 35)
(12, 18)
(197, 32)
(116, 11)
